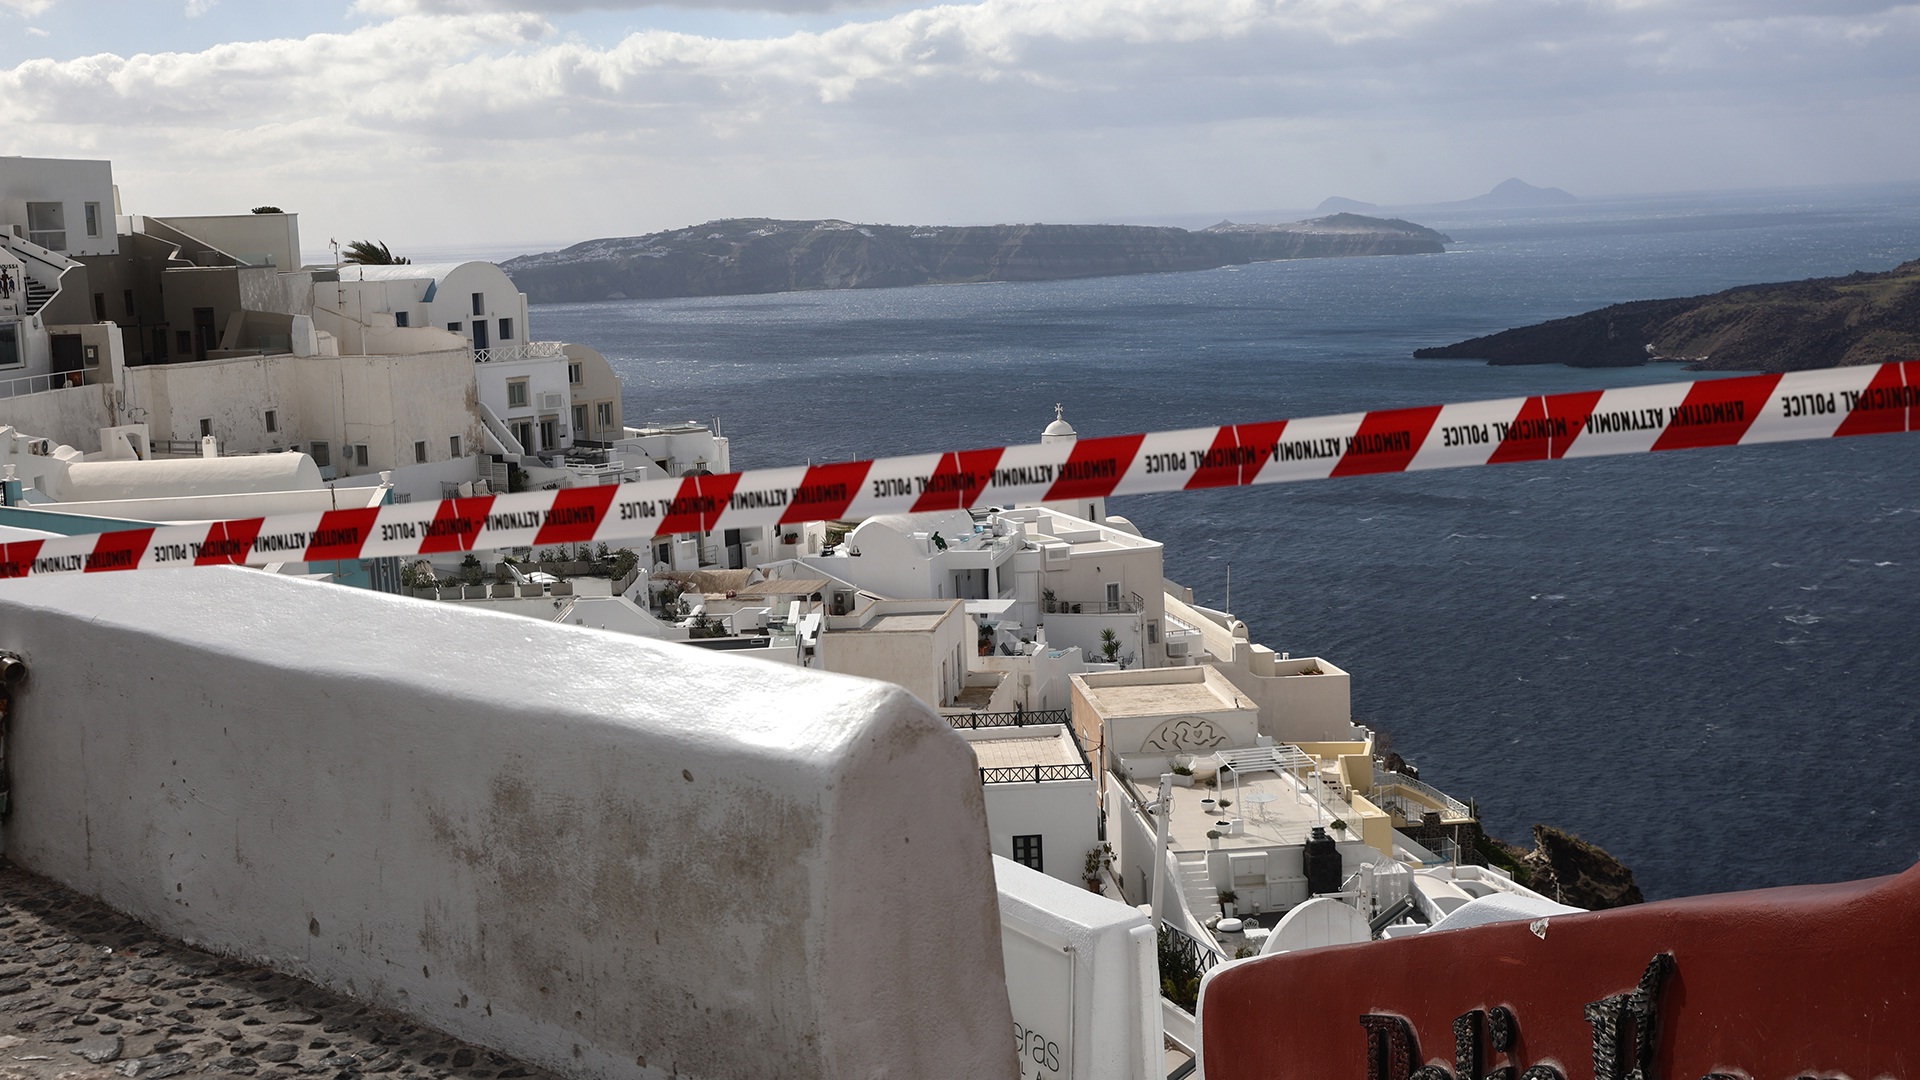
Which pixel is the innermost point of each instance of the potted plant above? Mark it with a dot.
(1208, 806)
(1098, 859)
(1213, 838)
(1048, 601)
(1224, 803)
(1338, 825)
(1227, 898)
(1182, 773)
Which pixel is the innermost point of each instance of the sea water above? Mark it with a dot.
(1703, 661)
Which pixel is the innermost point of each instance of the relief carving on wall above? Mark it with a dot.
(1184, 733)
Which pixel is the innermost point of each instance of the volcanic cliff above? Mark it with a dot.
(1863, 318)
(762, 255)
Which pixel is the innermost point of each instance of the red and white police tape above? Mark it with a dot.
(1819, 404)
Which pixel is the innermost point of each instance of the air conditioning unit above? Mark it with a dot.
(552, 400)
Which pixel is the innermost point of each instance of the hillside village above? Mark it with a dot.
(1132, 743)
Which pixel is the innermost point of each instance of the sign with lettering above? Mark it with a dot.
(1040, 989)
(1779, 984)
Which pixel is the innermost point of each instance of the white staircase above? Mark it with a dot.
(1202, 900)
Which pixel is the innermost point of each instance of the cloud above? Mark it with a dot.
(396, 8)
(197, 8)
(26, 9)
(1054, 107)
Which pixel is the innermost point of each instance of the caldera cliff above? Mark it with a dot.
(1863, 318)
(761, 255)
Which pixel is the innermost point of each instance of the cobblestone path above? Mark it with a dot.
(89, 994)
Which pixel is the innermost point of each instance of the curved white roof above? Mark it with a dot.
(1059, 430)
(96, 481)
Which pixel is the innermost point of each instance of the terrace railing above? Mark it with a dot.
(1025, 718)
(1034, 774)
(530, 350)
(58, 380)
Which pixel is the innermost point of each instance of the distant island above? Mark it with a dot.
(763, 255)
(1863, 318)
(1515, 192)
(1512, 193)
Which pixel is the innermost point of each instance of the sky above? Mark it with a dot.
(443, 123)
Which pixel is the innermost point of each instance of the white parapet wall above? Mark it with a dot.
(1083, 975)
(609, 856)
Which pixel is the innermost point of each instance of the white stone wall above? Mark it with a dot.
(247, 235)
(1084, 979)
(1065, 814)
(610, 856)
(385, 402)
(931, 663)
(598, 385)
(545, 375)
(73, 415)
(72, 182)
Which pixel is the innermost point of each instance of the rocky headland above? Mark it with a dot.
(1863, 318)
(761, 255)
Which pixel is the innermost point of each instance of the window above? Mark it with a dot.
(93, 219)
(453, 327)
(9, 344)
(506, 329)
(420, 452)
(1153, 631)
(576, 374)
(320, 456)
(99, 307)
(479, 303)
(453, 445)
(1026, 852)
(517, 394)
(159, 345)
(127, 295)
(549, 434)
(523, 434)
(183, 341)
(402, 318)
(273, 420)
(360, 454)
(47, 224)
(579, 420)
(1113, 594)
(206, 428)
(604, 411)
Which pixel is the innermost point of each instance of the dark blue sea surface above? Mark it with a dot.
(1703, 661)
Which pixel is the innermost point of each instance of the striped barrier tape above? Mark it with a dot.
(1818, 404)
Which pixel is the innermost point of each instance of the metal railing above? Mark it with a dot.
(1187, 948)
(1383, 796)
(1034, 774)
(530, 350)
(967, 721)
(1097, 607)
(58, 380)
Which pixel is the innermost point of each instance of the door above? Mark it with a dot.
(479, 334)
(69, 354)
